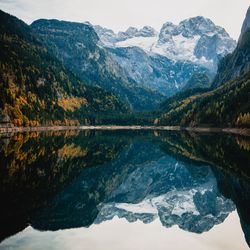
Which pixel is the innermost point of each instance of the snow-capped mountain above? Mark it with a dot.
(196, 39)
(176, 194)
(165, 61)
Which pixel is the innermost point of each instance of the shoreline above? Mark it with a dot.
(240, 131)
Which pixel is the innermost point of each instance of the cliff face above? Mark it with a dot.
(246, 24)
(238, 62)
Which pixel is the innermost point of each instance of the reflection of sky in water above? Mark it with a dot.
(118, 234)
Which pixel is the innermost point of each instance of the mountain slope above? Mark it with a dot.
(37, 89)
(77, 46)
(198, 80)
(246, 24)
(236, 63)
(225, 106)
(156, 71)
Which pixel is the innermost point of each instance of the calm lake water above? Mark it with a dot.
(115, 190)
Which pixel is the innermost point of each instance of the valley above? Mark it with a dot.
(67, 73)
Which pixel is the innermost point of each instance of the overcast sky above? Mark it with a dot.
(120, 14)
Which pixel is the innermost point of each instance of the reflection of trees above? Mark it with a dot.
(35, 166)
(228, 152)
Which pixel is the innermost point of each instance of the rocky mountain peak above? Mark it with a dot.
(129, 33)
(107, 36)
(167, 31)
(196, 26)
(147, 31)
(197, 40)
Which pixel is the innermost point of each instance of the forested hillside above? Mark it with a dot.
(36, 88)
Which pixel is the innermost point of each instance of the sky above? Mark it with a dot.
(120, 14)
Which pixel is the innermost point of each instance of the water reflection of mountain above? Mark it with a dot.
(229, 158)
(76, 180)
(179, 194)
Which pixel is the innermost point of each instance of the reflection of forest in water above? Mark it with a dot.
(56, 180)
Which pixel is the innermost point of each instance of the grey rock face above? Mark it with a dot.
(192, 39)
(246, 24)
(238, 62)
(155, 71)
(147, 31)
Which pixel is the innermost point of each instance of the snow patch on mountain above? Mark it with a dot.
(145, 43)
(178, 48)
(178, 202)
(185, 208)
(146, 206)
(197, 40)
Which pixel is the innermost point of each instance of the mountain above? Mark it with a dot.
(166, 60)
(36, 88)
(226, 104)
(156, 72)
(246, 24)
(195, 39)
(77, 46)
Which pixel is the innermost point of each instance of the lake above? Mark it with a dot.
(124, 190)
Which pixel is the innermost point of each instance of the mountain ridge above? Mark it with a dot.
(37, 88)
(246, 24)
(188, 28)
